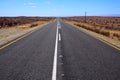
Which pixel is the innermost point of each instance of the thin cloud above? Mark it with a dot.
(30, 4)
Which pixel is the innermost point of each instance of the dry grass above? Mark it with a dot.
(114, 41)
(9, 33)
(15, 21)
(114, 34)
(97, 30)
(31, 25)
(110, 23)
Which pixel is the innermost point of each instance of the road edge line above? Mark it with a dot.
(102, 40)
(20, 37)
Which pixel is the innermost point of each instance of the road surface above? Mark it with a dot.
(59, 51)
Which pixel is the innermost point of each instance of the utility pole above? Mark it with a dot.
(85, 16)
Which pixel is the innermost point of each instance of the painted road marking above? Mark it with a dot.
(21, 37)
(62, 75)
(106, 42)
(59, 25)
(16, 40)
(59, 37)
(61, 56)
(54, 72)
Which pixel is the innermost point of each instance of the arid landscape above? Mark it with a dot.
(13, 27)
(15, 21)
(108, 26)
(59, 39)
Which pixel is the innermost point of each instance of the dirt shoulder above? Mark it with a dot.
(10, 33)
(116, 43)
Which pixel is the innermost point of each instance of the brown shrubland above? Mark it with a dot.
(15, 21)
(108, 26)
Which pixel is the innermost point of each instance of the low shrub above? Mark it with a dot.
(116, 35)
(97, 30)
(33, 25)
(106, 33)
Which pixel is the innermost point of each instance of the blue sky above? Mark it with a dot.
(59, 7)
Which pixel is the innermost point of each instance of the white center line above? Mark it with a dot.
(59, 25)
(54, 72)
(59, 37)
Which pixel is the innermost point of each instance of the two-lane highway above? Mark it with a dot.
(59, 51)
(31, 58)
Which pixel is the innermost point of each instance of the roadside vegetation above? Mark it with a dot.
(16, 21)
(107, 26)
(12, 27)
(33, 25)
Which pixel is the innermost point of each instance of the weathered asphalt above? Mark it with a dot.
(86, 58)
(31, 58)
(80, 56)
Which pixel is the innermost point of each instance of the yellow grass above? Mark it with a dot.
(27, 26)
(114, 34)
(9, 33)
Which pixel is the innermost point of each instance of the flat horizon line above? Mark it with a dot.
(68, 16)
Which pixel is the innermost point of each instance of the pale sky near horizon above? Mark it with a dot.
(59, 7)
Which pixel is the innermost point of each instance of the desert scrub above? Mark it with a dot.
(106, 33)
(83, 26)
(33, 25)
(116, 35)
(103, 32)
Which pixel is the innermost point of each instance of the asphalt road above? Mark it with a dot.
(59, 51)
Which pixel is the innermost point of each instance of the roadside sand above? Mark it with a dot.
(11, 33)
(107, 39)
